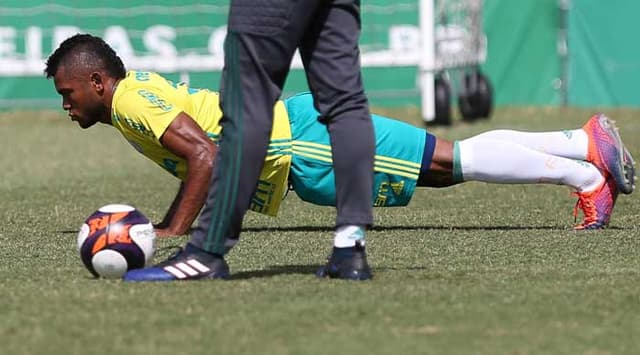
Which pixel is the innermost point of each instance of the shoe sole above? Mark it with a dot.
(629, 171)
(142, 278)
(591, 227)
(622, 170)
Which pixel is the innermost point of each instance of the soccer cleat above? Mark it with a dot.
(596, 205)
(347, 263)
(630, 169)
(607, 152)
(190, 263)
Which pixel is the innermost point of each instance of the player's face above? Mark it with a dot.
(80, 96)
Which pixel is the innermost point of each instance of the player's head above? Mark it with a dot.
(85, 70)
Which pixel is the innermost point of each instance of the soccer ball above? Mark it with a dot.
(114, 239)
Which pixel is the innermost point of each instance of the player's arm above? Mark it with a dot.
(186, 139)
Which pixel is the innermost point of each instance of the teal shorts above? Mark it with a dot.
(399, 152)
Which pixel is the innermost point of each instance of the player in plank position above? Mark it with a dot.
(177, 127)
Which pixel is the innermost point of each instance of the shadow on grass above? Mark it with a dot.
(392, 228)
(406, 228)
(310, 270)
(276, 270)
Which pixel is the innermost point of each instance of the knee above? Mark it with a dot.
(343, 104)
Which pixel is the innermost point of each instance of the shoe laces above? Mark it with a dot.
(588, 207)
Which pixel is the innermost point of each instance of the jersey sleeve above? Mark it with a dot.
(150, 109)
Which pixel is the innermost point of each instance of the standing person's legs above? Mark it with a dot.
(332, 60)
(258, 50)
(331, 57)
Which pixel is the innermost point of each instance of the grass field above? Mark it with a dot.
(473, 269)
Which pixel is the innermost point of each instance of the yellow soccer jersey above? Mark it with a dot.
(144, 105)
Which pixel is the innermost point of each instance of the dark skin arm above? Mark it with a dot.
(186, 139)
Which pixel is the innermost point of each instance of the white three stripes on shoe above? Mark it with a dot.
(185, 269)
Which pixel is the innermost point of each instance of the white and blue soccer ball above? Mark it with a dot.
(114, 239)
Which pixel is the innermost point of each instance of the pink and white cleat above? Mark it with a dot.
(607, 152)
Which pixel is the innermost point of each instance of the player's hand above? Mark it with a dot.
(164, 230)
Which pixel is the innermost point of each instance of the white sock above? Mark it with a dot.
(347, 236)
(503, 162)
(569, 143)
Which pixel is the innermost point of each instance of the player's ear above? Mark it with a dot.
(97, 81)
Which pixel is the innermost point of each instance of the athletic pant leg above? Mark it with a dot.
(331, 57)
(258, 51)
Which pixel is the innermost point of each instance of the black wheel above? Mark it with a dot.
(475, 99)
(442, 94)
(484, 95)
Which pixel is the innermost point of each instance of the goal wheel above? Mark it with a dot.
(442, 101)
(475, 99)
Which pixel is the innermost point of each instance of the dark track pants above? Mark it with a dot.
(261, 40)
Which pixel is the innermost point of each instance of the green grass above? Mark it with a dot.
(473, 269)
